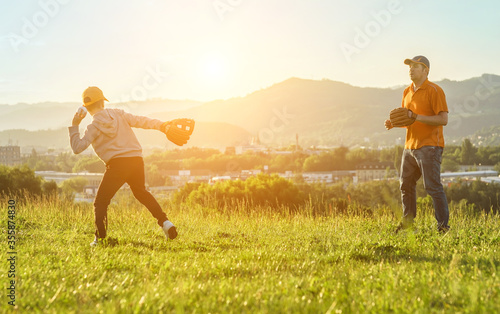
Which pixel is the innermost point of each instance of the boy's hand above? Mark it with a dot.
(165, 126)
(79, 115)
(178, 131)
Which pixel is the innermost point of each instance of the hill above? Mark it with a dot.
(321, 112)
(334, 113)
(207, 134)
(54, 115)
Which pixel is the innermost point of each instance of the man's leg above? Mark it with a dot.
(409, 175)
(113, 179)
(136, 181)
(429, 159)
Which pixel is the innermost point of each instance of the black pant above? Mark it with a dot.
(118, 171)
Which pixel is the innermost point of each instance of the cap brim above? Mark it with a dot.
(86, 105)
(411, 61)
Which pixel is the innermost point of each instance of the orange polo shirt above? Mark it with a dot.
(428, 100)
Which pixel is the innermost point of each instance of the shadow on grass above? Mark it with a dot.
(375, 253)
(219, 242)
(110, 242)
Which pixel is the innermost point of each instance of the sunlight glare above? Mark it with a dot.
(213, 68)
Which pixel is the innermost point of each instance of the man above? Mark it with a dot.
(114, 142)
(424, 143)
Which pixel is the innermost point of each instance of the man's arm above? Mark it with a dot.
(439, 119)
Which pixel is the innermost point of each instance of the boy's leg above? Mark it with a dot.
(113, 179)
(136, 180)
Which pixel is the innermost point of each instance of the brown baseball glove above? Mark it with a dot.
(399, 117)
(178, 131)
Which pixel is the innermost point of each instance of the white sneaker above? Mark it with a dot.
(170, 230)
(95, 243)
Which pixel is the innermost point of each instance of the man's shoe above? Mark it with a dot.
(170, 230)
(443, 229)
(403, 226)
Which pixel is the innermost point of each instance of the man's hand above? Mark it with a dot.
(388, 124)
(402, 117)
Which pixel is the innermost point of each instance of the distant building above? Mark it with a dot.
(252, 148)
(370, 171)
(327, 176)
(10, 155)
(489, 176)
(93, 179)
(180, 177)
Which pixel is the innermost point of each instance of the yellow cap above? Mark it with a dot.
(92, 95)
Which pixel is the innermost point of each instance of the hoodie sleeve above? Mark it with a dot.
(142, 122)
(78, 144)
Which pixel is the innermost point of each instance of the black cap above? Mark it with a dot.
(419, 59)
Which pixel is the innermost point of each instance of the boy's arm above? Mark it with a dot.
(143, 122)
(78, 144)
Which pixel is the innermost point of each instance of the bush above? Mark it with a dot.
(485, 196)
(265, 190)
(18, 180)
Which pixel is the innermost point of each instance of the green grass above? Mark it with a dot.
(238, 260)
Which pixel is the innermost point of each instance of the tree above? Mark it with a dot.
(449, 165)
(153, 176)
(49, 188)
(90, 164)
(360, 155)
(66, 161)
(468, 153)
(18, 180)
(312, 163)
(497, 167)
(74, 185)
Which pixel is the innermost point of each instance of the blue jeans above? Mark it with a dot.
(425, 162)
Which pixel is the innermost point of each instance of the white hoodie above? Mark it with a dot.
(111, 135)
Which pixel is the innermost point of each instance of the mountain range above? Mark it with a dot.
(321, 113)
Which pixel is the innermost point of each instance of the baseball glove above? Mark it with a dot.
(399, 117)
(178, 131)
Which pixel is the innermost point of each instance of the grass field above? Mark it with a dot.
(245, 260)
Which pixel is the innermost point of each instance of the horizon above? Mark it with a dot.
(222, 49)
(242, 96)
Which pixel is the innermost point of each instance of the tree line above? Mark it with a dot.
(341, 198)
(287, 159)
(276, 192)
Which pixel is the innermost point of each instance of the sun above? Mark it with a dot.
(213, 68)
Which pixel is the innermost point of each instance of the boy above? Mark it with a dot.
(114, 142)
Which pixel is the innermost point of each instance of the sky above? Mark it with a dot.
(51, 50)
